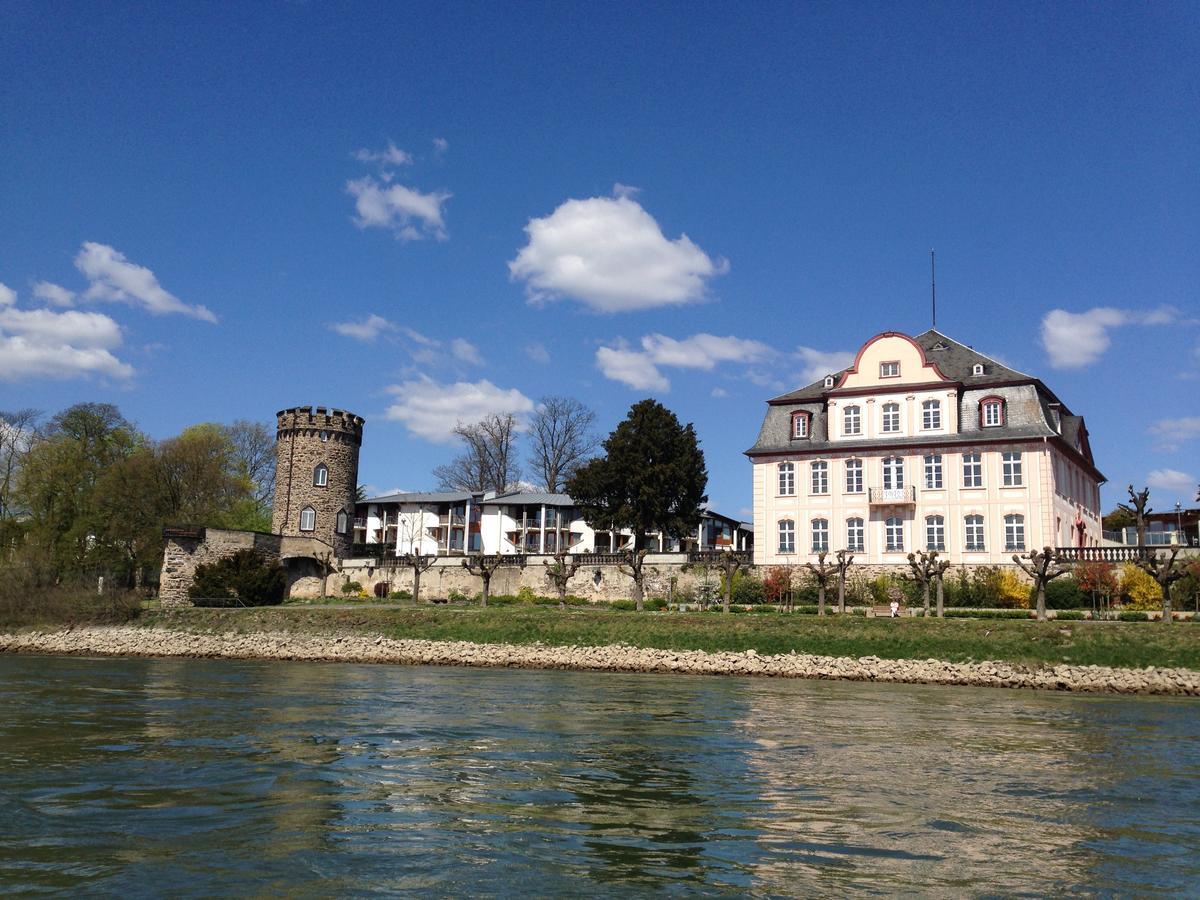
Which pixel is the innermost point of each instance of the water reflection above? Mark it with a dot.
(193, 777)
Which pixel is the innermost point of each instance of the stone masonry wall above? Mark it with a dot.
(188, 548)
(306, 438)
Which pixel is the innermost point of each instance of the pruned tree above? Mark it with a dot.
(1166, 570)
(1139, 510)
(1043, 567)
(561, 440)
(633, 564)
(822, 572)
(560, 572)
(418, 562)
(939, 579)
(924, 565)
(845, 560)
(489, 458)
(651, 478)
(484, 567)
(730, 563)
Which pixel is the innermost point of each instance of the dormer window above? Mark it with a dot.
(889, 369)
(800, 421)
(991, 412)
(977, 369)
(828, 381)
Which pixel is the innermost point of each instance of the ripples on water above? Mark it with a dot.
(185, 777)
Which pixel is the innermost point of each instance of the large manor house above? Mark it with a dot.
(922, 444)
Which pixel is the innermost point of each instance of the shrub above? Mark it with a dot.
(764, 609)
(1070, 615)
(623, 605)
(400, 595)
(1139, 590)
(246, 577)
(777, 584)
(1065, 593)
(351, 587)
(457, 596)
(1013, 592)
(503, 600)
(747, 590)
(965, 613)
(525, 594)
(1128, 615)
(655, 603)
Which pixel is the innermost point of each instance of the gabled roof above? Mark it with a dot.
(956, 361)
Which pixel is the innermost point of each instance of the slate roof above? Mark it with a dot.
(529, 498)
(434, 497)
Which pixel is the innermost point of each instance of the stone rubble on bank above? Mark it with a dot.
(131, 641)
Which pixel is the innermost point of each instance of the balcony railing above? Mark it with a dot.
(893, 496)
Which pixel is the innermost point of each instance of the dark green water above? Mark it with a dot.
(198, 777)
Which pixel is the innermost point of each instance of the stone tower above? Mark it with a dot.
(316, 474)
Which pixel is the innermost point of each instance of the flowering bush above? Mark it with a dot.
(1139, 590)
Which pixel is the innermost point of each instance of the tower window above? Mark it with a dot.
(320, 476)
(342, 522)
(324, 436)
(308, 519)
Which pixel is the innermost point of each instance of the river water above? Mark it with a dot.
(205, 777)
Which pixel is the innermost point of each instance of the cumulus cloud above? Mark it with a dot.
(611, 255)
(1074, 340)
(1172, 480)
(42, 343)
(640, 368)
(431, 409)
(391, 155)
(406, 212)
(53, 293)
(441, 145)
(1173, 432)
(817, 364)
(368, 330)
(113, 277)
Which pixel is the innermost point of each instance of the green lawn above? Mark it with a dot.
(1121, 644)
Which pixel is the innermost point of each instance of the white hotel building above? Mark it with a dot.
(922, 443)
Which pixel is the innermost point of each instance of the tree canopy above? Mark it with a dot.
(651, 477)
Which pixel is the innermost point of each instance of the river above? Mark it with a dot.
(204, 777)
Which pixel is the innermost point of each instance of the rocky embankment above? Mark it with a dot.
(128, 641)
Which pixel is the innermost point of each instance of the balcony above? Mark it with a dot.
(906, 496)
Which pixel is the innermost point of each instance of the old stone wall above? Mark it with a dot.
(187, 548)
(305, 439)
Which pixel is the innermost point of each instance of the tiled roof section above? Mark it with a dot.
(442, 497)
(956, 361)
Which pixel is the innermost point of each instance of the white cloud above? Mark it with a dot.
(441, 145)
(719, 392)
(611, 255)
(640, 368)
(819, 363)
(1074, 340)
(389, 156)
(465, 351)
(53, 293)
(1172, 480)
(1173, 432)
(537, 352)
(368, 330)
(431, 410)
(44, 343)
(625, 190)
(406, 212)
(113, 277)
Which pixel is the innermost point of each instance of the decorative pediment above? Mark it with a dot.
(890, 358)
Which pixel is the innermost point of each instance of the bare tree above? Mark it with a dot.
(254, 455)
(418, 562)
(1044, 566)
(1166, 571)
(562, 440)
(560, 572)
(923, 565)
(822, 572)
(1139, 510)
(17, 430)
(633, 565)
(484, 567)
(845, 559)
(489, 459)
(730, 563)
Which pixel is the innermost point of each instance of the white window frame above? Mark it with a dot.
(820, 535)
(935, 532)
(893, 473)
(893, 534)
(324, 436)
(975, 543)
(854, 476)
(931, 415)
(1013, 476)
(889, 409)
(819, 477)
(343, 522)
(852, 420)
(1014, 532)
(856, 535)
(787, 479)
(308, 519)
(933, 472)
(799, 425)
(993, 414)
(321, 475)
(787, 536)
(972, 470)
(889, 369)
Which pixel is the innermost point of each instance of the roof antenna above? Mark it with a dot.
(933, 286)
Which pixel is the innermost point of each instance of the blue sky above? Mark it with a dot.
(202, 207)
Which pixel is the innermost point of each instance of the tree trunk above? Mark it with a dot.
(1167, 617)
(1041, 601)
(941, 605)
(926, 594)
(728, 596)
(487, 586)
(842, 594)
(637, 588)
(416, 584)
(821, 598)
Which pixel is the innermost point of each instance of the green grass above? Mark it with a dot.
(1120, 644)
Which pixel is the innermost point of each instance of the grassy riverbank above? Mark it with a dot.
(1117, 644)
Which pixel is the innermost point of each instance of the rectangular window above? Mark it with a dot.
(893, 473)
(931, 415)
(820, 535)
(308, 519)
(992, 414)
(972, 470)
(820, 478)
(787, 536)
(891, 417)
(889, 369)
(852, 420)
(974, 534)
(894, 533)
(787, 479)
(935, 533)
(1014, 532)
(854, 536)
(933, 472)
(799, 425)
(1012, 469)
(854, 476)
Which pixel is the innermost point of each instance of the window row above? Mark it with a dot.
(1011, 473)
(308, 520)
(992, 414)
(935, 534)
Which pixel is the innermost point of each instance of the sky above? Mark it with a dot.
(428, 213)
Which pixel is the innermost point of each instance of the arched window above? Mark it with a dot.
(342, 522)
(852, 420)
(974, 534)
(1014, 532)
(855, 541)
(787, 479)
(820, 535)
(787, 536)
(977, 369)
(893, 473)
(320, 476)
(935, 533)
(891, 417)
(820, 477)
(894, 534)
(854, 476)
(828, 381)
(324, 436)
(800, 424)
(991, 412)
(308, 519)
(931, 415)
